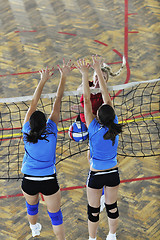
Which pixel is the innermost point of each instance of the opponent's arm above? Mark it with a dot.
(45, 75)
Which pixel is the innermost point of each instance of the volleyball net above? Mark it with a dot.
(136, 104)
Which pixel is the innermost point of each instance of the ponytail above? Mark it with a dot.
(106, 116)
(113, 130)
(33, 135)
(38, 130)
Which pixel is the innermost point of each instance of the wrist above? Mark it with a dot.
(85, 74)
(98, 70)
(63, 77)
(43, 80)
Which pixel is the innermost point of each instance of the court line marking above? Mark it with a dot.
(61, 130)
(84, 186)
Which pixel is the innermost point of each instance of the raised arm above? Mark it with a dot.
(102, 83)
(45, 75)
(64, 71)
(84, 69)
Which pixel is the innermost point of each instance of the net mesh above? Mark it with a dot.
(136, 105)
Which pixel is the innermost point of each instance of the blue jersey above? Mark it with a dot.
(39, 158)
(103, 154)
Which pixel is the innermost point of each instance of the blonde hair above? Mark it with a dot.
(106, 68)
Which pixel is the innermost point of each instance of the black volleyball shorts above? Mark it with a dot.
(99, 179)
(33, 185)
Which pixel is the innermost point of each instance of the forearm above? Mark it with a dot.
(85, 85)
(103, 86)
(87, 102)
(37, 94)
(34, 102)
(54, 116)
(61, 86)
(45, 75)
(84, 68)
(64, 71)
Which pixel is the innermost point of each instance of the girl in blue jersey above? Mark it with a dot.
(38, 167)
(103, 140)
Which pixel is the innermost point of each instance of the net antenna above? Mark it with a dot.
(137, 106)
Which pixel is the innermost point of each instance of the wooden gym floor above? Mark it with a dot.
(38, 33)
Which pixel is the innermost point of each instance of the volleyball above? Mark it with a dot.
(78, 131)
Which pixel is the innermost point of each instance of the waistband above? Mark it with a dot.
(104, 172)
(39, 178)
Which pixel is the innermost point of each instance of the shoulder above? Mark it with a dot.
(94, 125)
(116, 119)
(51, 125)
(26, 127)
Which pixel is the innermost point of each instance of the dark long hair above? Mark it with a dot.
(37, 123)
(106, 117)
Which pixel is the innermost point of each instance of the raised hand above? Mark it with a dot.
(83, 67)
(97, 62)
(45, 74)
(66, 69)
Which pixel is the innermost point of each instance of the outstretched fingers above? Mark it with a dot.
(67, 67)
(82, 63)
(97, 61)
(59, 68)
(82, 66)
(46, 73)
(68, 64)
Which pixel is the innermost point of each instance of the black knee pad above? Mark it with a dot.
(110, 207)
(91, 210)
